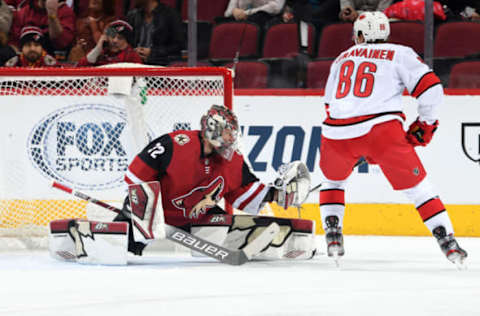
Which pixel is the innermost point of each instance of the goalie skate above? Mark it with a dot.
(334, 238)
(449, 246)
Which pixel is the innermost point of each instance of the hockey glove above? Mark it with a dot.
(292, 184)
(420, 133)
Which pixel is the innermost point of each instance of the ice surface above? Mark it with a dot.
(378, 276)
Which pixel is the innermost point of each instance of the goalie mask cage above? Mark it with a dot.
(82, 127)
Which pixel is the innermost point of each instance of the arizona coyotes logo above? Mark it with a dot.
(77, 230)
(200, 199)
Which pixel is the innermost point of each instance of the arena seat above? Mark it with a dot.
(335, 38)
(409, 34)
(457, 39)
(465, 75)
(207, 10)
(250, 75)
(227, 37)
(317, 73)
(281, 40)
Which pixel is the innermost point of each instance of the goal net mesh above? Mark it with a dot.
(82, 128)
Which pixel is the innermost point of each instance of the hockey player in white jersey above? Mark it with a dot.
(363, 100)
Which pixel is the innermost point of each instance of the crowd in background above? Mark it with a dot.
(35, 33)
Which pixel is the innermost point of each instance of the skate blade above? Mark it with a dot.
(458, 260)
(333, 252)
(460, 263)
(336, 259)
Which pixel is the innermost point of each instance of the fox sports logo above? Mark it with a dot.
(81, 145)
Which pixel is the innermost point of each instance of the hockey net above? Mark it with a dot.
(82, 127)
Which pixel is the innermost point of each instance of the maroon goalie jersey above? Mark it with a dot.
(191, 182)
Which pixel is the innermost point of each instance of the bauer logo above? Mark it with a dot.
(82, 145)
(471, 141)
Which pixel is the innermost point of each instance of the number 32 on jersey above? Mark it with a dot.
(363, 81)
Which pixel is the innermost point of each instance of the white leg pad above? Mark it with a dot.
(89, 242)
(287, 244)
(296, 246)
(214, 234)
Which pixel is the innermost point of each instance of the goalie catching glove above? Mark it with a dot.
(420, 133)
(292, 184)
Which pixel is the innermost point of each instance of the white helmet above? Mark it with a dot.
(373, 25)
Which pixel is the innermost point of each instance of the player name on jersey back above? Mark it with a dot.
(385, 54)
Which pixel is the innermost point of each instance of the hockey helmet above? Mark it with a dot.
(220, 127)
(373, 25)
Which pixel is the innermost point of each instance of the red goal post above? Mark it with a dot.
(76, 125)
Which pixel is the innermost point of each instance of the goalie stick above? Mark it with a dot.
(179, 236)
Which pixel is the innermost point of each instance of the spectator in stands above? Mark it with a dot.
(14, 4)
(55, 18)
(6, 51)
(113, 47)
(462, 9)
(350, 9)
(317, 12)
(158, 35)
(256, 11)
(82, 7)
(5, 17)
(413, 10)
(32, 53)
(90, 28)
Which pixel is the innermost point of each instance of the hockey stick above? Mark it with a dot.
(179, 236)
(236, 59)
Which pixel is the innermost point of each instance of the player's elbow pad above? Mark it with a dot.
(429, 102)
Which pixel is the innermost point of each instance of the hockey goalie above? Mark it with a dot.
(178, 181)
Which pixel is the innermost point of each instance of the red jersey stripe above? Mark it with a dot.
(358, 119)
(127, 180)
(426, 82)
(251, 197)
(142, 171)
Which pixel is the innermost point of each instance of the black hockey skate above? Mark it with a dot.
(449, 246)
(334, 238)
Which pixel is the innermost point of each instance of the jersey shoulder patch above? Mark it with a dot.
(181, 139)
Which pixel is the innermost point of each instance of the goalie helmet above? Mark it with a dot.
(373, 26)
(220, 128)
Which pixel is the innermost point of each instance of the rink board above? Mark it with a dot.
(360, 219)
(390, 219)
(276, 129)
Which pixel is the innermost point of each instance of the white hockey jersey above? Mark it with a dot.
(365, 87)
